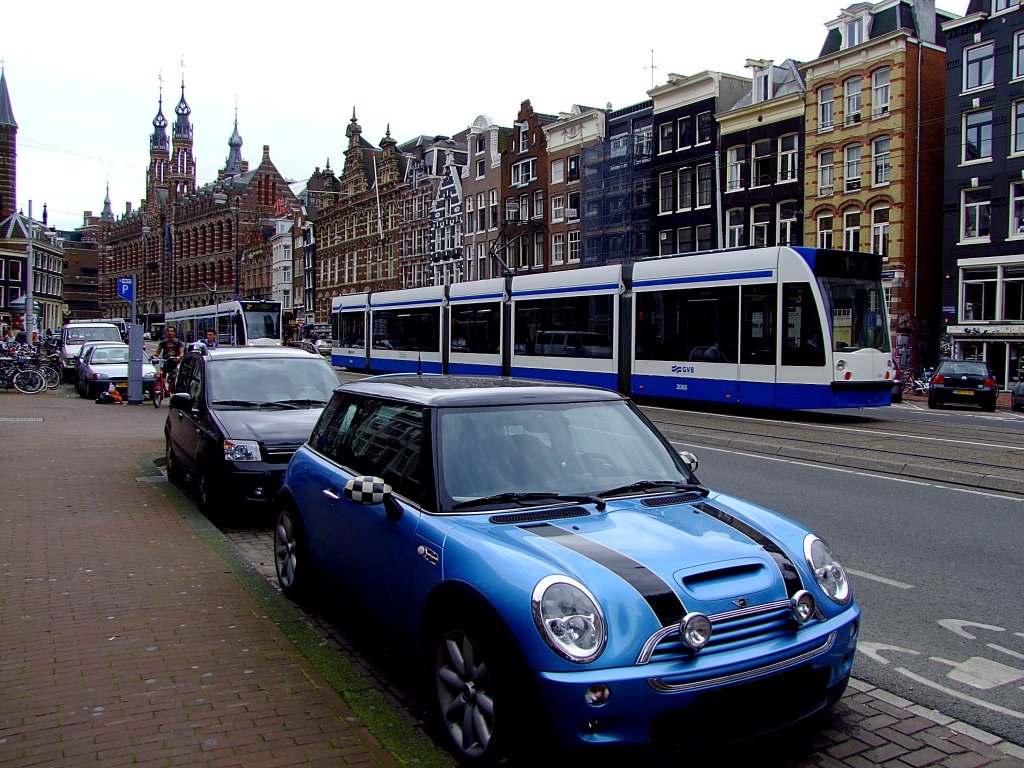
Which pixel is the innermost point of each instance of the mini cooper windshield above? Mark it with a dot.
(532, 454)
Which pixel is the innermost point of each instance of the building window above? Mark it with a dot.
(853, 33)
(1018, 55)
(557, 209)
(979, 66)
(851, 180)
(524, 138)
(684, 240)
(975, 214)
(574, 168)
(980, 293)
(880, 92)
(558, 249)
(666, 138)
(557, 171)
(493, 206)
(704, 185)
(1017, 209)
(788, 218)
(1018, 128)
(760, 221)
(851, 230)
(572, 206)
(538, 204)
(761, 170)
(685, 127)
(851, 90)
(574, 247)
(705, 127)
(880, 231)
(481, 145)
(524, 207)
(666, 246)
(978, 136)
(880, 155)
(703, 237)
(825, 231)
(788, 158)
(735, 227)
(538, 250)
(1003, 5)
(524, 172)
(826, 172)
(826, 107)
(1013, 293)
(666, 193)
(736, 158)
(685, 189)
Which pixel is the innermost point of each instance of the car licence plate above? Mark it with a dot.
(963, 391)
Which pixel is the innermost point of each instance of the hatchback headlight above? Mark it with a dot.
(569, 619)
(241, 450)
(827, 570)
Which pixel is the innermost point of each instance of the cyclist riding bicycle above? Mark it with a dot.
(170, 350)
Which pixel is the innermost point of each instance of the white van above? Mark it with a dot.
(74, 335)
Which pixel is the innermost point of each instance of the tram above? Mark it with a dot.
(783, 327)
(238, 323)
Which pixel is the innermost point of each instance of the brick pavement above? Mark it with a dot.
(125, 639)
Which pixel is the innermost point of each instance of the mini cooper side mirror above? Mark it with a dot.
(689, 459)
(369, 491)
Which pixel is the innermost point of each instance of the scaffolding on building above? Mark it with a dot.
(616, 222)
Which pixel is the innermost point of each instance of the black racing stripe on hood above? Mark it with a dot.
(790, 575)
(659, 595)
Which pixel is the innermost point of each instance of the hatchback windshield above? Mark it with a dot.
(579, 448)
(257, 381)
(101, 333)
(104, 356)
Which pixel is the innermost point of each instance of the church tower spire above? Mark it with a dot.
(182, 179)
(8, 151)
(159, 155)
(234, 164)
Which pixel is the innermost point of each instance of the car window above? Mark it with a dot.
(961, 368)
(103, 356)
(373, 437)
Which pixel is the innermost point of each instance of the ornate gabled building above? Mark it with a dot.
(481, 185)
(187, 244)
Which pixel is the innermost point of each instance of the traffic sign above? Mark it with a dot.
(126, 288)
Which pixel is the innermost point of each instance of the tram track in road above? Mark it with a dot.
(932, 448)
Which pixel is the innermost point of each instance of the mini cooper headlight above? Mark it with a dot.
(569, 619)
(241, 450)
(695, 630)
(827, 570)
(802, 606)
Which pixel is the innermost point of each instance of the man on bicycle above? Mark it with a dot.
(170, 350)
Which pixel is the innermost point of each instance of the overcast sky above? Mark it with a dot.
(84, 77)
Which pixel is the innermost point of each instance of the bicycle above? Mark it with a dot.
(15, 372)
(164, 382)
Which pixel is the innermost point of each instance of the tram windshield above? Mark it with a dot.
(855, 309)
(263, 324)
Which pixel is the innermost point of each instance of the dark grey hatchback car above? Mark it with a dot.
(238, 414)
(963, 381)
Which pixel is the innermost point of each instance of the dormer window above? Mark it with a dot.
(1004, 5)
(524, 137)
(853, 32)
(762, 86)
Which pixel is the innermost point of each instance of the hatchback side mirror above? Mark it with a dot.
(182, 401)
(370, 491)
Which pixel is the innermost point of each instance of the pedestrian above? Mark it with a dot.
(210, 342)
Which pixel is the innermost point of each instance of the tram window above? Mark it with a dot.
(757, 339)
(698, 324)
(579, 326)
(410, 330)
(353, 329)
(803, 344)
(476, 328)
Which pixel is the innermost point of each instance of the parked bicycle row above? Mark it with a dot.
(27, 368)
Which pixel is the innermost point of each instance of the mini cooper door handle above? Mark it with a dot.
(330, 494)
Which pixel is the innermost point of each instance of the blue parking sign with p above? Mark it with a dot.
(125, 286)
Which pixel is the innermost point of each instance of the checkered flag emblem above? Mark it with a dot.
(366, 490)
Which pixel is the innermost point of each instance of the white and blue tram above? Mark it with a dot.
(238, 323)
(784, 327)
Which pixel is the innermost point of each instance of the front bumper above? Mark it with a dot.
(253, 482)
(725, 697)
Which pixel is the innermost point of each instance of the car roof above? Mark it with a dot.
(456, 391)
(234, 353)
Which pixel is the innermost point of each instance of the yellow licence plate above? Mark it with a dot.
(963, 391)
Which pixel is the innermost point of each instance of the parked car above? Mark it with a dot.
(236, 416)
(1017, 393)
(560, 567)
(84, 350)
(75, 334)
(107, 364)
(324, 347)
(305, 345)
(963, 381)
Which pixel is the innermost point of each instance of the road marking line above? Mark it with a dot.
(957, 695)
(882, 579)
(995, 647)
(861, 473)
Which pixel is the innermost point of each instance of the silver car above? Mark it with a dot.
(106, 365)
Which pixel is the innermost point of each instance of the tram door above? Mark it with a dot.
(758, 345)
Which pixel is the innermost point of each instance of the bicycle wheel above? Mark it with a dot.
(29, 381)
(51, 376)
(158, 393)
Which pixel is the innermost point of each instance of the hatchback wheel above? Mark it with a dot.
(933, 403)
(205, 491)
(174, 472)
(291, 555)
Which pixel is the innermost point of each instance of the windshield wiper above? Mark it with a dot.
(650, 485)
(255, 404)
(524, 499)
(242, 403)
(304, 401)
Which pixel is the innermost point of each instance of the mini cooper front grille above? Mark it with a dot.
(516, 518)
(729, 631)
(678, 498)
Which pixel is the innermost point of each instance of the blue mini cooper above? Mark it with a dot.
(561, 568)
